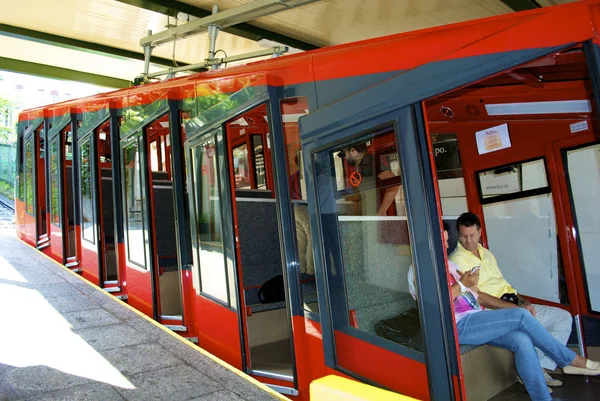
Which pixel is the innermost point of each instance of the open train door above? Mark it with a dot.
(60, 209)
(371, 196)
(156, 277)
(238, 243)
(33, 227)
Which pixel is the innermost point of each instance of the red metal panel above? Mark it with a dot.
(394, 371)
(218, 331)
(139, 289)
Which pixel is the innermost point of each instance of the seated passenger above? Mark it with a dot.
(512, 328)
(470, 253)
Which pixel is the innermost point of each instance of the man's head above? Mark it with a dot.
(354, 153)
(469, 230)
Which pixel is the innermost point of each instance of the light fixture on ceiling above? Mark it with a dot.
(553, 107)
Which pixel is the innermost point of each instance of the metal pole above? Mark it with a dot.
(147, 54)
(213, 31)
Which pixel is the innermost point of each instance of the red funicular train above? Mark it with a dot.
(224, 205)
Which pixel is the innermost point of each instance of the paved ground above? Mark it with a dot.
(63, 339)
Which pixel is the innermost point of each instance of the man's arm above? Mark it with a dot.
(390, 193)
(491, 302)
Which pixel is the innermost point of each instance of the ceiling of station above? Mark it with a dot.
(101, 37)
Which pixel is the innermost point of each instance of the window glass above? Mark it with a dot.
(134, 205)
(259, 162)
(154, 156)
(451, 183)
(522, 236)
(87, 199)
(241, 170)
(366, 240)
(584, 181)
(513, 179)
(20, 170)
(104, 151)
(209, 235)
(54, 184)
(68, 145)
(291, 111)
(29, 175)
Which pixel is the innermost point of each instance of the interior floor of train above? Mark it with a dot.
(574, 388)
(69, 340)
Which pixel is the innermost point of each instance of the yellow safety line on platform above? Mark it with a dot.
(177, 336)
(336, 388)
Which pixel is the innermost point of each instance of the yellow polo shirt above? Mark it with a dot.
(491, 280)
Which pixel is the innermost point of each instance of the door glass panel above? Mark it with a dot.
(291, 111)
(54, 185)
(134, 206)
(20, 171)
(29, 175)
(521, 230)
(364, 220)
(87, 202)
(583, 166)
(209, 235)
(259, 162)
(241, 170)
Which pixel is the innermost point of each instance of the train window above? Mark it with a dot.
(104, 151)
(87, 203)
(209, 234)
(68, 145)
(29, 175)
(241, 169)
(291, 111)
(134, 206)
(364, 221)
(20, 165)
(259, 162)
(517, 199)
(54, 184)
(451, 183)
(513, 179)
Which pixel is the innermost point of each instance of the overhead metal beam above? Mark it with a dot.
(172, 8)
(522, 5)
(80, 45)
(50, 71)
(223, 19)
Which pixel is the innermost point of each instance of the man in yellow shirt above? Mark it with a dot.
(470, 253)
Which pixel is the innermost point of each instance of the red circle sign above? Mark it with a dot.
(355, 179)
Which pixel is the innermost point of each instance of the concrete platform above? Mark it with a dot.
(64, 339)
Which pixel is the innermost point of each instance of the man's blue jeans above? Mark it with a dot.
(518, 331)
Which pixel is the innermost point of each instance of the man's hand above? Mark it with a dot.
(527, 305)
(470, 280)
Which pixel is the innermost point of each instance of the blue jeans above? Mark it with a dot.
(517, 330)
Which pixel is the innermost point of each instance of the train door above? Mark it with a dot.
(55, 193)
(71, 238)
(141, 274)
(29, 227)
(87, 154)
(370, 197)
(236, 242)
(154, 274)
(163, 223)
(43, 240)
(269, 339)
